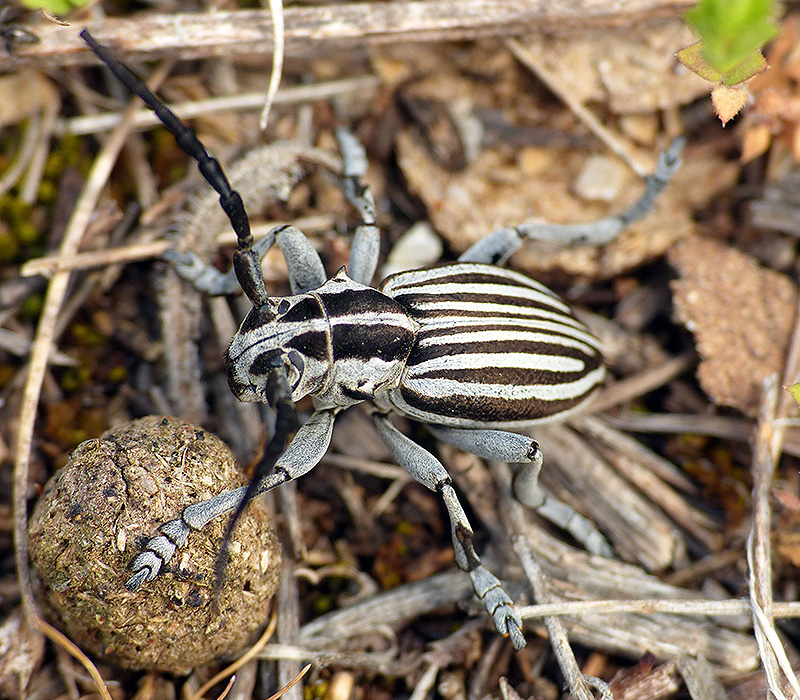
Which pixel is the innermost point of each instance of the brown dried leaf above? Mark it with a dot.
(632, 71)
(728, 101)
(755, 141)
(23, 94)
(741, 314)
(646, 680)
(787, 545)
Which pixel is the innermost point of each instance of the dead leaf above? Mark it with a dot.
(741, 314)
(23, 94)
(787, 545)
(634, 72)
(497, 190)
(728, 101)
(755, 141)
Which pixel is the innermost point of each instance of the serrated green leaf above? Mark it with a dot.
(732, 30)
(54, 7)
(746, 69)
(692, 57)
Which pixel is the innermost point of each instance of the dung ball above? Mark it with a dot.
(94, 518)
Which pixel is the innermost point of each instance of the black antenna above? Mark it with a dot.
(248, 271)
(245, 260)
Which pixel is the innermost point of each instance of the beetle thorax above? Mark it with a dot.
(340, 344)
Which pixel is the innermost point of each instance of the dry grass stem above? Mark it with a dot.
(317, 30)
(611, 140)
(144, 118)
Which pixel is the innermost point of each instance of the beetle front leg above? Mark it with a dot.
(502, 446)
(366, 246)
(306, 271)
(302, 455)
(495, 248)
(430, 472)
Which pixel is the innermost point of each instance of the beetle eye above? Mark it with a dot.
(298, 363)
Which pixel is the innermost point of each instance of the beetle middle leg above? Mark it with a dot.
(430, 472)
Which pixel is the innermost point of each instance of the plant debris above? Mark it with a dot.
(738, 350)
(92, 520)
(462, 138)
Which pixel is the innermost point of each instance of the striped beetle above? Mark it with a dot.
(469, 348)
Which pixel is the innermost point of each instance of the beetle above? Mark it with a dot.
(469, 348)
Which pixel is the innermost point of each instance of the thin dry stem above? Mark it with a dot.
(65, 643)
(251, 653)
(50, 264)
(43, 341)
(144, 118)
(649, 606)
(317, 30)
(278, 29)
(530, 61)
(291, 684)
(637, 385)
(32, 137)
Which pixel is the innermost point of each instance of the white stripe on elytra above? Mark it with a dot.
(563, 391)
(505, 336)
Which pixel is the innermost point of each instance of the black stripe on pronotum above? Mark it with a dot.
(471, 349)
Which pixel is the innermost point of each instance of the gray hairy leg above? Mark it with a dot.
(302, 455)
(430, 472)
(495, 248)
(502, 446)
(302, 260)
(366, 241)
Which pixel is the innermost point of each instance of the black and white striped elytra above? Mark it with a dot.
(469, 348)
(493, 349)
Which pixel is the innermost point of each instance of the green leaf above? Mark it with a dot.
(54, 7)
(732, 31)
(794, 390)
(752, 65)
(692, 57)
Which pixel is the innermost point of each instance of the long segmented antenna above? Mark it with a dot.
(248, 271)
(245, 260)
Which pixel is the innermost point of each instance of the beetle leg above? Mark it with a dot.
(302, 455)
(495, 248)
(503, 446)
(367, 241)
(430, 472)
(302, 260)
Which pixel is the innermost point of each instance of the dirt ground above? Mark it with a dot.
(474, 116)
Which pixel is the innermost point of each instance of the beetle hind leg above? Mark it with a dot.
(429, 471)
(503, 446)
